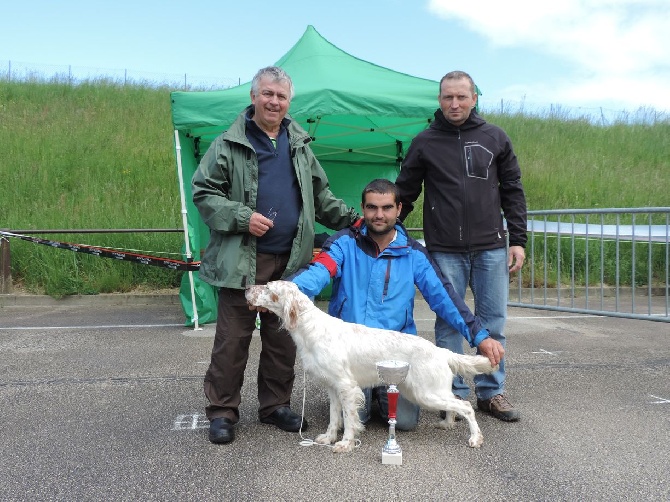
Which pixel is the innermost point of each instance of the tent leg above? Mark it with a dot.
(187, 245)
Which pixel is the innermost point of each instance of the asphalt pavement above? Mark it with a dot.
(101, 399)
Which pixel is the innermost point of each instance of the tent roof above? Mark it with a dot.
(339, 100)
(328, 81)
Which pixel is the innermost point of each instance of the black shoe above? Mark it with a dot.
(285, 419)
(221, 431)
(457, 417)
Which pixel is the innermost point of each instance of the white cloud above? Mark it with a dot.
(616, 46)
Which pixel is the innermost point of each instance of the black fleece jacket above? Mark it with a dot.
(472, 179)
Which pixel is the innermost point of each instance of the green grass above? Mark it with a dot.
(101, 155)
(98, 155)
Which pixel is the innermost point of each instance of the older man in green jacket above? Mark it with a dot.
(260, 189)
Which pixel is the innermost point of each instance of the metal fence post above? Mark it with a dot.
(5, 266)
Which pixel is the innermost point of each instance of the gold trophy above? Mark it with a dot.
(392, 373)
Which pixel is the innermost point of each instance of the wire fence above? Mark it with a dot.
(19, 71)
(594, 115)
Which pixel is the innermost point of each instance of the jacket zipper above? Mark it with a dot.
(463, 233)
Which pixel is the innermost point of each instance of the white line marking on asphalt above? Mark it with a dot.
(574, 316)
(111, 326)
(190, 421)
(542, 351)
(661, 400)
(552, 316)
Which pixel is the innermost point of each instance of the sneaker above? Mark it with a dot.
(457, 417)
(499, 407)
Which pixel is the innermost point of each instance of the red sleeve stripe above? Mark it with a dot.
(325, 259)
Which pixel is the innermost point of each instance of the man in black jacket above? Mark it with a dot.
(472, 184)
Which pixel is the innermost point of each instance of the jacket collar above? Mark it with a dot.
(441, 123)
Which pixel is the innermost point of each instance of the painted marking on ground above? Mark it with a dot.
(542, 351)
(116, 326)
(109, 326)
(190, 421)
(573, 316)
(661, 400)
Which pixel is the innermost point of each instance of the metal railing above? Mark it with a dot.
(612, 262)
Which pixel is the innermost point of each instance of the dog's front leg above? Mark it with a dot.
(352, 398)
(335, 423)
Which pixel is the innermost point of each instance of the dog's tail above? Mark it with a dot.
(469, 366)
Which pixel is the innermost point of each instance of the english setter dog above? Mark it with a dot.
(343, 357)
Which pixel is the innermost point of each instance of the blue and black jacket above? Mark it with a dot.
(377, 289)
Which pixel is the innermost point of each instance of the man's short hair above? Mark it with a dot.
(276, 74)
(381, 186)
(458, 75)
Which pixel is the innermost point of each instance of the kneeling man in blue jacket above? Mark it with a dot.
(375, 266)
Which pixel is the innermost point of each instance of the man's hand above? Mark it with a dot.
(515, 259)
(492, 349)
(259, 224)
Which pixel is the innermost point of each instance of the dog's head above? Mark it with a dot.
(282, 298)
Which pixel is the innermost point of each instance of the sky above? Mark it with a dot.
(589, 54)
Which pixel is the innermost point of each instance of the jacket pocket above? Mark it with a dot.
(477, 161)
(336, 307)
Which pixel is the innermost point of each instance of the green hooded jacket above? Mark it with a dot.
(225, 187)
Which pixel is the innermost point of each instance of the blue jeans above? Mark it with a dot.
(407, 413)
(487, 275)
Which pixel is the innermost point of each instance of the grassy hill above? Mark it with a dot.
(100, 156)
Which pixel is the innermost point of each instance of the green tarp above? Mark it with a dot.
(361, 117)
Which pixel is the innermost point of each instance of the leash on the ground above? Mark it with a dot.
(116, 254)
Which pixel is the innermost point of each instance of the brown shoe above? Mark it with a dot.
(457, 417)
(499, 407)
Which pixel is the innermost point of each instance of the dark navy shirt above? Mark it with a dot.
(278, 189)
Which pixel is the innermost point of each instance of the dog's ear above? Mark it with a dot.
(292, 320)
(290, 309)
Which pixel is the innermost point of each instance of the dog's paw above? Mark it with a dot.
(446, 424)
(324, 439)
(343, 446)
(476, 440)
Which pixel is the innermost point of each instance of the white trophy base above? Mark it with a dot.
(392, 458)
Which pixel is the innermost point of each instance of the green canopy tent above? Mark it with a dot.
(361, 117)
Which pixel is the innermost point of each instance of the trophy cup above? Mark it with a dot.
(392, 373)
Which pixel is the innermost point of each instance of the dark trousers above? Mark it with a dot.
(235, 324)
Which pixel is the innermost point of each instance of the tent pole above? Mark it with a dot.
(189, 256)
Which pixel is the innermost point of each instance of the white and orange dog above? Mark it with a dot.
(343, 357)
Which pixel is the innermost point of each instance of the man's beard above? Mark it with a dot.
(388, 229)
